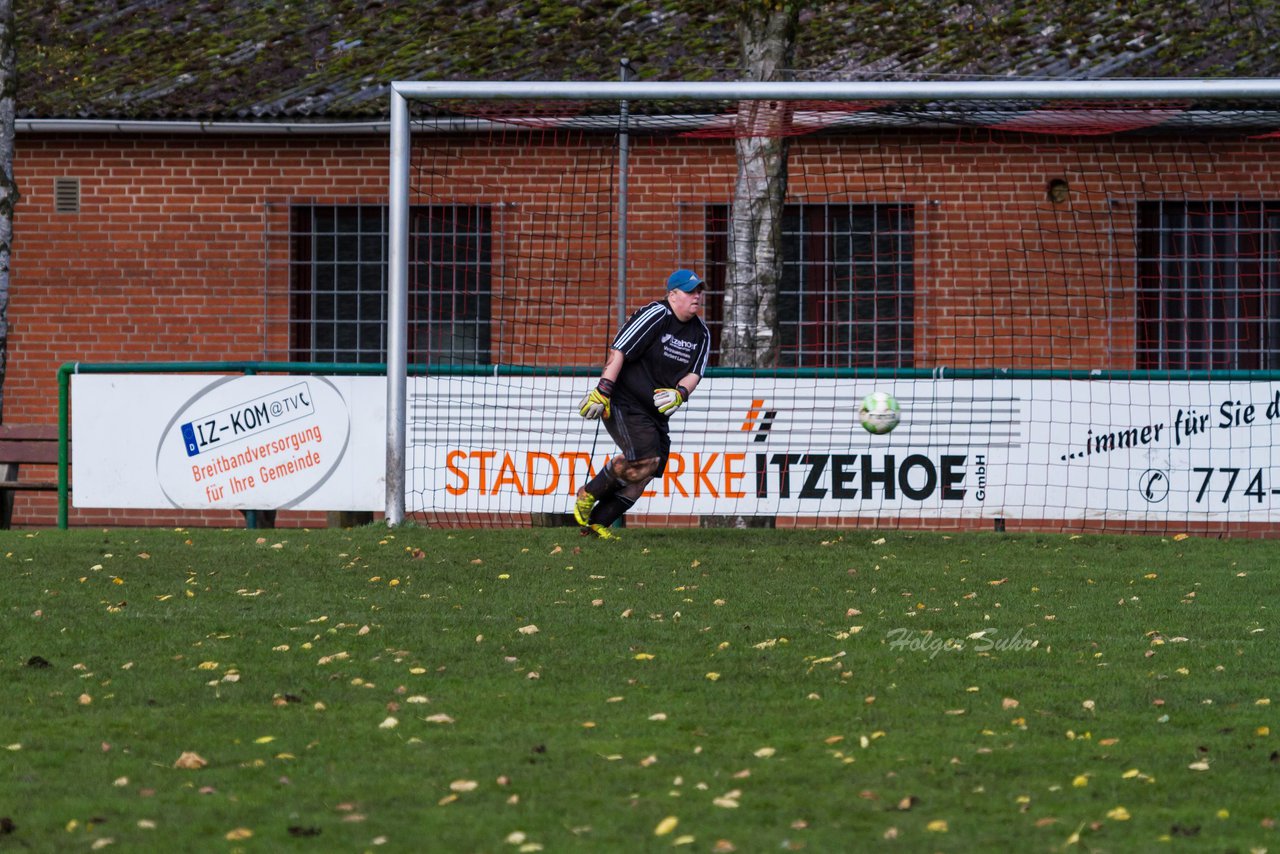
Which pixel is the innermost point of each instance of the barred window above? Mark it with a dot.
(847, 296)
(338, 284)
(1208, 285)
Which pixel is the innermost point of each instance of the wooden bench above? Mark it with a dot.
(24, 443)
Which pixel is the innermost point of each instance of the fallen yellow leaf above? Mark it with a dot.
(665, 826)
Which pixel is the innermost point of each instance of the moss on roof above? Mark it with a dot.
(332, 59)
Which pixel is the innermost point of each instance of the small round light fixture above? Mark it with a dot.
(1057, 191)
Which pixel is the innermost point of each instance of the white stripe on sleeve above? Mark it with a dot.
(638, 326)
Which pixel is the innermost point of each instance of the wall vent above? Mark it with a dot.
(66, 195)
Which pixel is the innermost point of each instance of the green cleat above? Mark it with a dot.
(582, 509)
(604, 533)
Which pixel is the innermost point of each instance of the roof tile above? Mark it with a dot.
(332, 60)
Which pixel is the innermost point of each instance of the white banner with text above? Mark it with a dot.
(196, 441)
(1044, 449)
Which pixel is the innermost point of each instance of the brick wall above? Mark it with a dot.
(178, 253)
(180, 248)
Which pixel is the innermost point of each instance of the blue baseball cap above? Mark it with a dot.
(683, 280)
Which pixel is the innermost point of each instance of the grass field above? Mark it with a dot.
(702, 690)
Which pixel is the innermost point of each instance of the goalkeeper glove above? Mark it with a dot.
(669, 399)
(596, 403)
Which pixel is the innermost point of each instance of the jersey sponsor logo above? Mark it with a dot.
(677, 349)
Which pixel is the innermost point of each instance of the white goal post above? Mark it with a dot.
(401, 147)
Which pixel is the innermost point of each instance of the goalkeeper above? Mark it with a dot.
(654, 365)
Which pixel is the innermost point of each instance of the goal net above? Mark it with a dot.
(1072, 290)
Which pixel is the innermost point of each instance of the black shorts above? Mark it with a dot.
(639, 433)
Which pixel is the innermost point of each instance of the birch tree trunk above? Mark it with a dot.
(8, 187)
(767, 31)
(748, 338)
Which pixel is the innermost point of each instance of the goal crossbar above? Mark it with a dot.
(1191, 89)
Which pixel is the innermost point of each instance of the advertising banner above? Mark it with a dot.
(1025, 448)
(1046, 449)
(237, 442)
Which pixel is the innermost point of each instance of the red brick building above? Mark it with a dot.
(165, 228)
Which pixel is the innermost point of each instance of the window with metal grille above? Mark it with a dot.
(338, 284)
(1208, 285)
(847, 296)
(450, 268)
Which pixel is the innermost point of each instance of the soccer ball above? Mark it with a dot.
(879, 412)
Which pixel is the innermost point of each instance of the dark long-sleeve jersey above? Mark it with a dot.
(659, 350)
